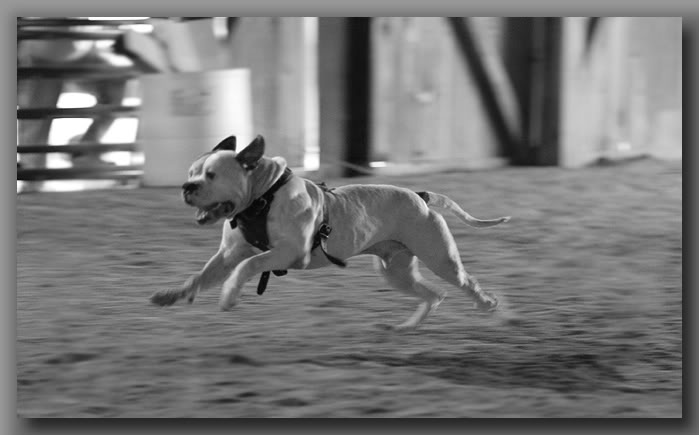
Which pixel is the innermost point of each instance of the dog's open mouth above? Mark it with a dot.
(214, 212)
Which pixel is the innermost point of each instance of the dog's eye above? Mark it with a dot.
(210, 175)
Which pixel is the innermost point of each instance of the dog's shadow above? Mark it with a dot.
(563, 373)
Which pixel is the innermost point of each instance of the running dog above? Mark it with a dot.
(276, 220)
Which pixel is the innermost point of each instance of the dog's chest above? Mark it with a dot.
(253, 225)
(253, 220)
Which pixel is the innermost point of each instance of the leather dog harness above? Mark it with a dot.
(253, 224)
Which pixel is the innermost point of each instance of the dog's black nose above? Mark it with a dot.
(189, 187)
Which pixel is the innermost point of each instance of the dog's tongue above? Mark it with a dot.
(203, 216)
(215, 212)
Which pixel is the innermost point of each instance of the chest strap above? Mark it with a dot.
(253, 224)
(253, 220)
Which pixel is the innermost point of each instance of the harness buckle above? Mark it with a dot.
(324, 230)
(260, 205)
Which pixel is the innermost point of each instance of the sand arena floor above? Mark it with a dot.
(589, 271)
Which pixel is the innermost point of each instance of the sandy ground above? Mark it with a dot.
(589, 271)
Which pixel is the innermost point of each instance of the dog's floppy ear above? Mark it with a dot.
(251, 155)
(226, 144)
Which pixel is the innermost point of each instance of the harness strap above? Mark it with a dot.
(321, 239)
(264, 278)
(259, 207)
(253, 224)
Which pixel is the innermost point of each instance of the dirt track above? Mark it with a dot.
(589, 269)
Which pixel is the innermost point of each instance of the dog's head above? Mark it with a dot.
(218, 183)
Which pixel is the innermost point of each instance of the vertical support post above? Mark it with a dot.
(343, 78)
(546, 98)
(358, 92)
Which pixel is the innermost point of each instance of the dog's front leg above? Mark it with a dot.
(277, 258)
(212, 274)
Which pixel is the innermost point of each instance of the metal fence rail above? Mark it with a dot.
(78, 35)
(77, 29)
(76, 72)
(74, 22)
(105, 172)
(81, 148)
(76, 112)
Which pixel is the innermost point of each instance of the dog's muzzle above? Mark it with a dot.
(187, 190)
(210, 213)
(214, 212)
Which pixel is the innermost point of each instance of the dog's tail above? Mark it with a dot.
(443, 201)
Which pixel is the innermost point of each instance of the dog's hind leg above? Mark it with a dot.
(400, 268)
(437, 249)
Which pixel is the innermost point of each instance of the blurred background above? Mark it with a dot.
(572, 126)
(340, 96)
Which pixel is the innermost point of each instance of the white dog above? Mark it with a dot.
(277, 221)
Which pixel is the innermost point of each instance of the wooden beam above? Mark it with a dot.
(498, 97)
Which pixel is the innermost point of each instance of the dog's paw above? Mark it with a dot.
(403, 327)
(487, 302)
(435, 304)
(225, 304)
(165, 297)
